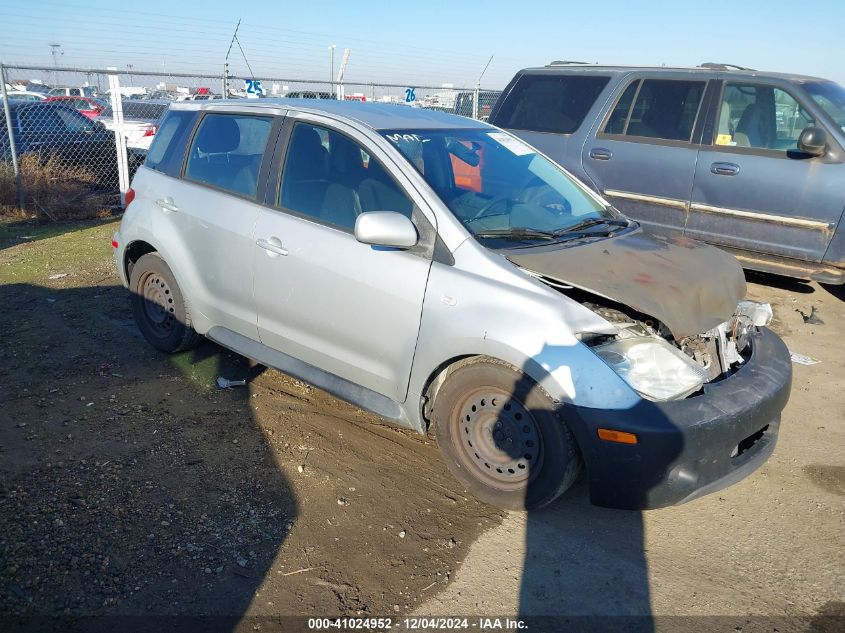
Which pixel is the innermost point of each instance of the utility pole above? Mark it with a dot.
(129, 67)
(331, 68)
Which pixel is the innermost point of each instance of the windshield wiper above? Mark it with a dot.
(517, 233)
(590, 222)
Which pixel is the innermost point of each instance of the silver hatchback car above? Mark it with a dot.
(442, 273)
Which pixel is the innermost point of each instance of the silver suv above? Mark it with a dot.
(441, 272)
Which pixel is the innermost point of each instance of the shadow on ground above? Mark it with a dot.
(125, 487)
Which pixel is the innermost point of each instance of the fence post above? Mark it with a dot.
(119, 138)
(475, 103)
(9, 130)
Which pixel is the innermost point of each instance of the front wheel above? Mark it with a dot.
(159, 307)
(501, 436)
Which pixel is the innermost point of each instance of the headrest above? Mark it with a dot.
(218, 134)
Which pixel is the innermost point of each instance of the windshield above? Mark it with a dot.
(498, 186)
(830, 97)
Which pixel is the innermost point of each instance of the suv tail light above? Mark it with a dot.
(129, 197)
(150, 131)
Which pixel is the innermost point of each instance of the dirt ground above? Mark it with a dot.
(130, 485)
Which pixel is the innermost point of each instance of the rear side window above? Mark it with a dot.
(227, 150)
(657, 108)
(550, 103)
(168, 146)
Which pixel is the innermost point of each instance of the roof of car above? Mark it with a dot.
(722, 69)
(378, 116)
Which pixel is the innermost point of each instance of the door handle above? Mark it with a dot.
(273, 246)
(167, 204)
(600, 153)
(725, 169)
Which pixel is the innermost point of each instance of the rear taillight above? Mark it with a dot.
(130, 196)
(150, 131)
(114, 244)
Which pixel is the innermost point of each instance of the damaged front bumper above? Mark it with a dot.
(691, 447)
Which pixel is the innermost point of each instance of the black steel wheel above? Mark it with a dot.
(160, 310)
(500, 435)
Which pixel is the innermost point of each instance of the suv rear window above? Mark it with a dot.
(549, 103)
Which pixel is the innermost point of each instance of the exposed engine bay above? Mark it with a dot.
(656, 363)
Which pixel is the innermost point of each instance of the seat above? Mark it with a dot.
(305, 183)
(750, 130)
(218, 136)
(341, 204)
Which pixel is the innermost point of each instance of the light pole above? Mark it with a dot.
(55, 51)
(129, 67)
(331, 68)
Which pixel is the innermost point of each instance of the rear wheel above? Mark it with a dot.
(160, 310)
(501, 436)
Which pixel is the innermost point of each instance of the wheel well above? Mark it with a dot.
(441, 373)
(134, 252)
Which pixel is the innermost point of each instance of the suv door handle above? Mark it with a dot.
(600, 153)
(167, 204)
(273, 246)
(725, 169)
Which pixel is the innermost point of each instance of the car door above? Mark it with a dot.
(207, 217)
(754, 191)
(349, 309)
(641, 155)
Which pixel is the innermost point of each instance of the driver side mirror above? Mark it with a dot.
(385, 228)
(813, 141)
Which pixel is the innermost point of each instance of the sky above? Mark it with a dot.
(425, 42)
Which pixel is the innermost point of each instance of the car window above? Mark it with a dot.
(663, 109)
(492, 182)
(550, 103)
(619, 116)
(329, 177)
(167, 149)
(760, 116)
(40, 120)
(75, 92)
(72, 121)
(227, 150)
(830, 97)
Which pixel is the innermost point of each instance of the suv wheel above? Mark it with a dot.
(501, 436)
(160, 310)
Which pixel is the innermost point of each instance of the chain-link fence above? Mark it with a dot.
(71, 138)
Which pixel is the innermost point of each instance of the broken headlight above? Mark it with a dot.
(652, 367)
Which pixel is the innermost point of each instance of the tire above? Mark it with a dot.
(159, 307)
(501, 437)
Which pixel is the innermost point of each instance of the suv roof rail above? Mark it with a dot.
(566, 62)
(715, 66)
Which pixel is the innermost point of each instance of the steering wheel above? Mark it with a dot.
(483, 210)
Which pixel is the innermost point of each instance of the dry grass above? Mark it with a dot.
(53, 191)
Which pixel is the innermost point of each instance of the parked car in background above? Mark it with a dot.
(86, 106)
(140, 122)
(486, 100)
(25, 95)
(70, 91)
(534, 326)
(753, 162)
(54, 129)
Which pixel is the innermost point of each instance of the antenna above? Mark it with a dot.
(478, 83)
(226, 62)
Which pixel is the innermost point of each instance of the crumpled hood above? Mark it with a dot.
(689, 286)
